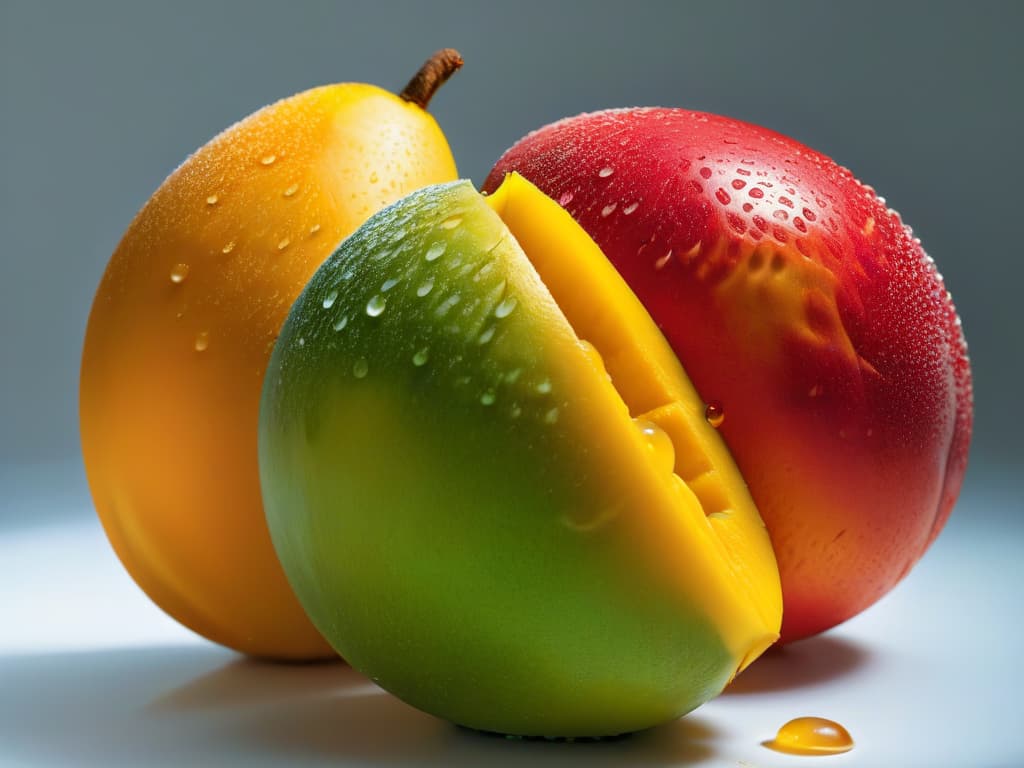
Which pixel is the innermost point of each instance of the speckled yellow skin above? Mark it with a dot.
(181, 330)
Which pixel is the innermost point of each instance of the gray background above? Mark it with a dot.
(99, 101)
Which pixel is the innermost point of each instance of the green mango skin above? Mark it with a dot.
(437, 504)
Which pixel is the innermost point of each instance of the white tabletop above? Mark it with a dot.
(91, 673)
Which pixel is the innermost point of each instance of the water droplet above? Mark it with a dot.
(375, 306)
(302, 341)
(515, 411)
(202, 341)
(544, 387)
(268, 159)
(723, 196)
(605, 172)
(714, 414)
(756, 192)
(374, 178)
(388, 284)
(178, 273)
(360, 368)
(212, 200)
(447, 304)
(551, 416)
(705, 172)
(661, 262)
(486, 336)
(488, 397)
(565, 199)
(504, 309)
(228, 248)
(283, 243)
(451, 222)
(811, 736)
(314, 229)
(630, 208)
(340, 323)
(659, 443)
(434, 252)
(736, 222)
(608, 209)
(426, 288)
(420, 358)
(329, 299)
(738, 183)
(291, 190)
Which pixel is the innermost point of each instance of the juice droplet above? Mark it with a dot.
(486, 336)
(811, 736)
(426, 288)
(341, 322)
(663, 260)
(659, 443)
(544, 387)
(434, 252)
(374, 178)
(284, 243)
(291, 190)
(451, 222)
(738, 183)
(714, 414)
(228, 248)
(329, 299)
(608, 210)
(360, 368)
(605, 172)
(504, 309)
(551, 416)
(756, 192)
(723, 196)
(314, 229)
(705, 173)
(630, 208)
(268, 159)
(202, 341)
(565, 199)
(212, 200)
(375, 306)
(488, 397)
(420, 358)
(388, 284)
(178, 273)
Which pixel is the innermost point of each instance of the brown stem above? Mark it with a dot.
(432, 75)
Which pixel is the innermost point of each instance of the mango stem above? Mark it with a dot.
(431, 76)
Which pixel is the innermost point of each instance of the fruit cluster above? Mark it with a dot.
(509, 453)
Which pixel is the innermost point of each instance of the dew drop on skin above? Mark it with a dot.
(811, 736)
(714, 414)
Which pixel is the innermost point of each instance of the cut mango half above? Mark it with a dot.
(492, 485)
(703, 486)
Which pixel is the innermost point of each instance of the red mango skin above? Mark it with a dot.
(805, 308)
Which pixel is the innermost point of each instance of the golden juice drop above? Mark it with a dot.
(811, 736)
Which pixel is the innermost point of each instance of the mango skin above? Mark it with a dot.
(438, 501)
(181, 330)
(799, 302)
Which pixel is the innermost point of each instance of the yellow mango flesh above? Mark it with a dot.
(181, 331)
(702, 508)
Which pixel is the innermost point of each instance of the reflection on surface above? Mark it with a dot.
(204, 705)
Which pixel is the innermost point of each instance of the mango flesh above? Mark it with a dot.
(181, 330)
(473, 510)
